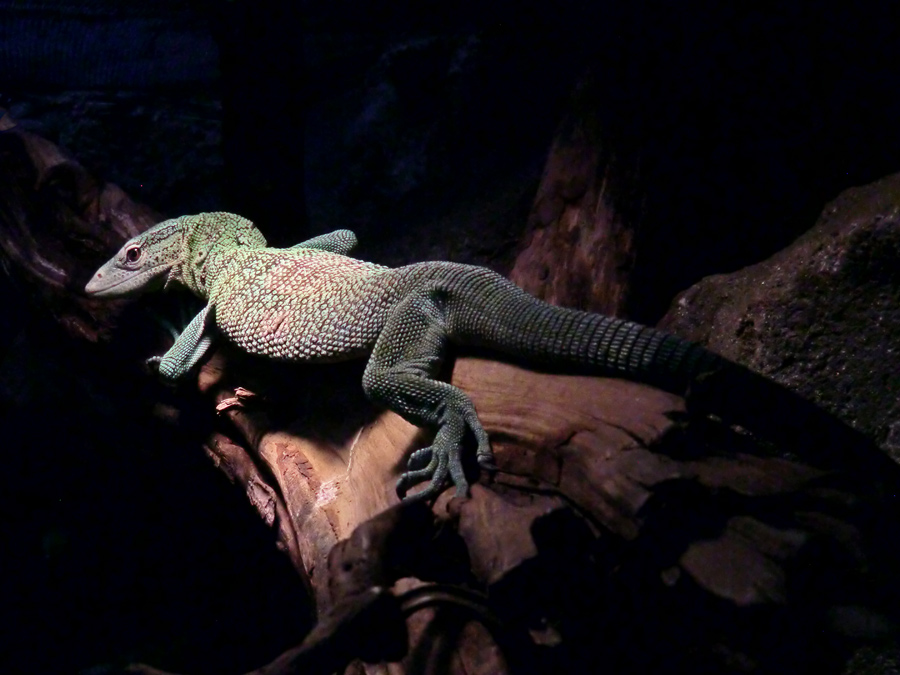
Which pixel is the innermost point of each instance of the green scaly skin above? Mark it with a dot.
(312, 303)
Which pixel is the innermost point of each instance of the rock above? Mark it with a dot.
(821, 316)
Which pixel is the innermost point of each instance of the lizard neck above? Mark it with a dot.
(209, 242)
(201, 275)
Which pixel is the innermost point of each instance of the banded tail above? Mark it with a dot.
(496, 313)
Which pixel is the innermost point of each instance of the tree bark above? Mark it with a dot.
(580, 248)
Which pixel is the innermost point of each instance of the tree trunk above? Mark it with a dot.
(580, 246)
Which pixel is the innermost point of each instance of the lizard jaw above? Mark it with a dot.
(111, 281)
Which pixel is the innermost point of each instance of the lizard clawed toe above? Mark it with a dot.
(488, 464)
(444, 460)
(419, 459)
(239, 400)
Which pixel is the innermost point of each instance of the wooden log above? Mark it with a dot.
(680, 512)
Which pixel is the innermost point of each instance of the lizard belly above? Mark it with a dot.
(301, 313)
(298, 333)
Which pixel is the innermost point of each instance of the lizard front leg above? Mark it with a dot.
(401, 375)
(339, 241)
(188, 349)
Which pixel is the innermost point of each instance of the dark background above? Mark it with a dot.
(423, 126)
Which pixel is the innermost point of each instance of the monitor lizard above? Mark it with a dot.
(313, 303)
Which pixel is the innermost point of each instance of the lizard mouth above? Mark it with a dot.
(97, 285)
(102, 284)
(111, 283)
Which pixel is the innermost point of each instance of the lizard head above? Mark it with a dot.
(142, 260)
(175, 250)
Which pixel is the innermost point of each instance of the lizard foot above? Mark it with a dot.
(158, 366)
(442, 459)
(154, 365)
(239, 400)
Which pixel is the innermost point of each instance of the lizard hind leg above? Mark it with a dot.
(401, 374)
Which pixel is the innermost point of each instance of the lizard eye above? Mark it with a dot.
(133, 254)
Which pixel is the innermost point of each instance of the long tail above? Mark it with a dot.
(495, 313)
(491, 311)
